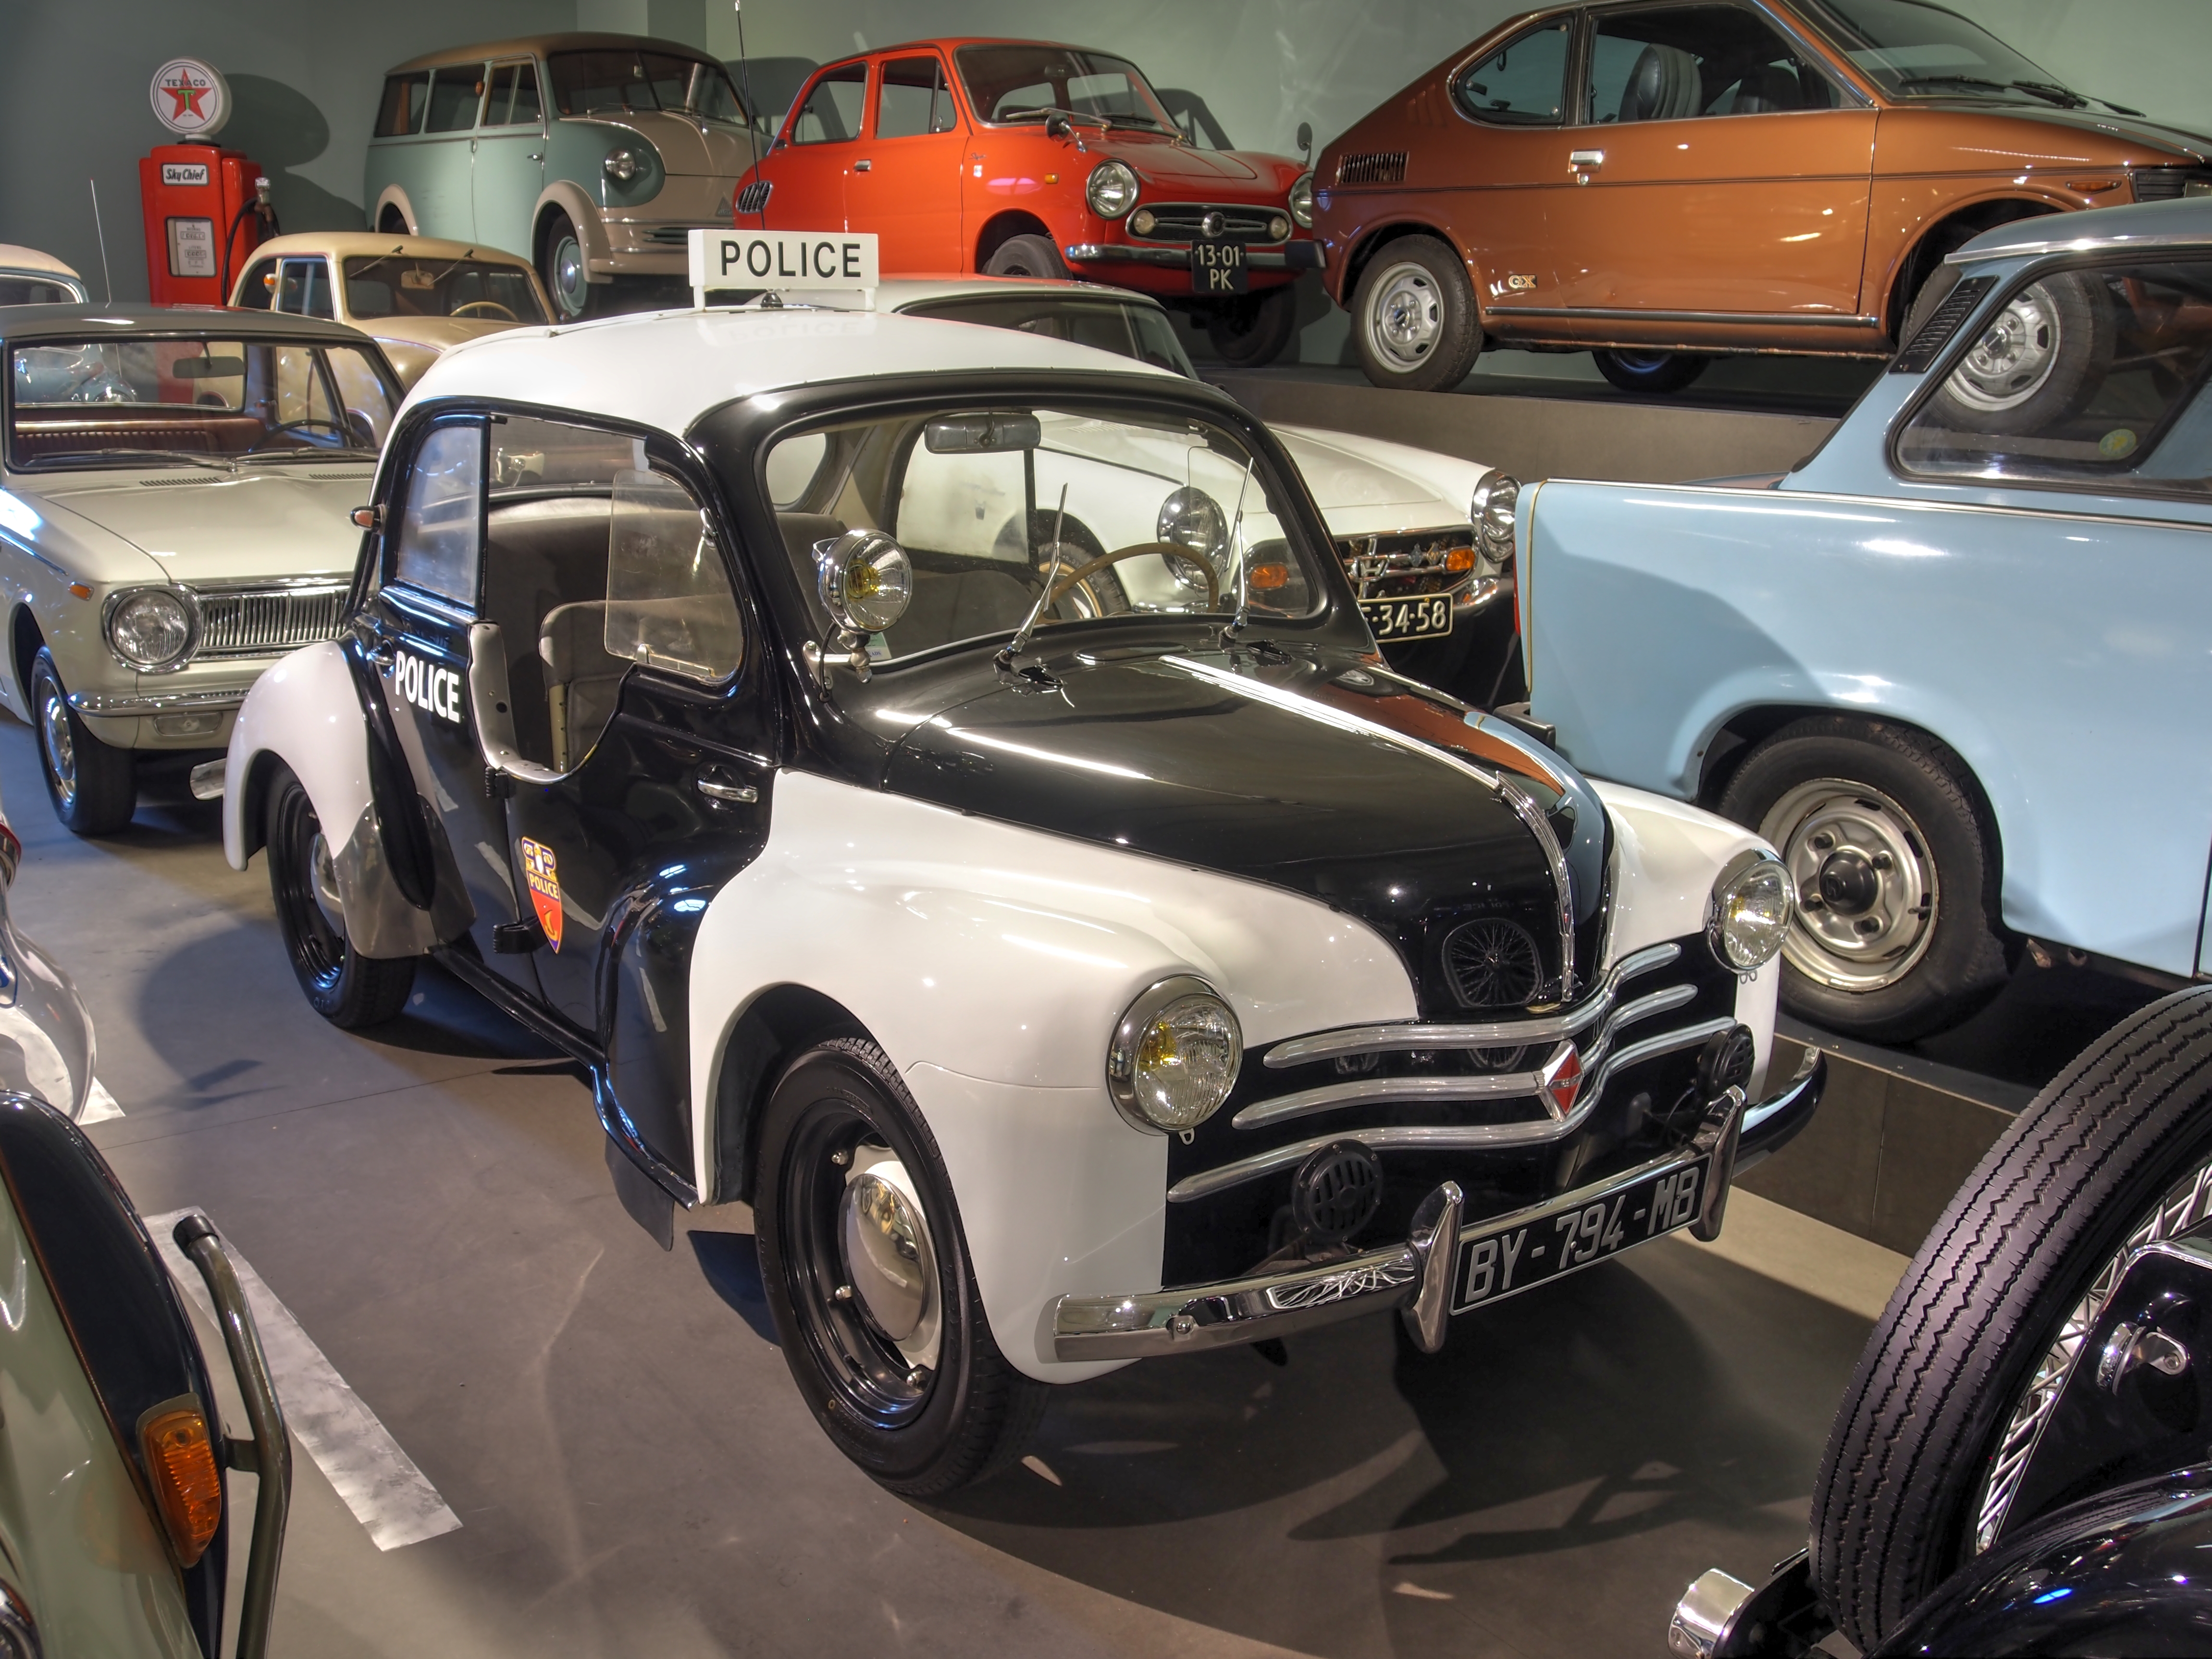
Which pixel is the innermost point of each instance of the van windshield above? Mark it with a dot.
(606, 78)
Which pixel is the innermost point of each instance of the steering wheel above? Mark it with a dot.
(484, 308)
(346, 436)
(1135, 550)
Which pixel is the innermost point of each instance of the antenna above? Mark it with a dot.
(1020, 642)
(752, 111)
(100, 231)
(1243, 573)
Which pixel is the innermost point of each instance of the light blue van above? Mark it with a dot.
(591, 156)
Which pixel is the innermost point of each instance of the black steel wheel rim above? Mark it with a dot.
(318, 951)
(862, 1369)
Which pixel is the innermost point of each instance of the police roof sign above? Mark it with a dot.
(785, 260)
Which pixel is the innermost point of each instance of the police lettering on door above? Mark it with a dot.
(428, 685)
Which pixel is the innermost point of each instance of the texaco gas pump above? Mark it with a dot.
(206, 207)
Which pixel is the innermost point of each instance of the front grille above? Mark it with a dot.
(1493, 963)
(1458, 1099)
(753, 198)
(1414, 562)
(2166, 184)
(1386, 166)
(1185, 221)
(170, 483)
(260, 623)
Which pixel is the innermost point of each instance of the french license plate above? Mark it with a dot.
(1218, 268)
(1420, 616)
(1495, 1265)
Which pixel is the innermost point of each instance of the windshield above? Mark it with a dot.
(1011, 84)
(1127, 328)
(397, 285)
(184, 402)
(1123, 514)
(1913, 49)
(612, 79)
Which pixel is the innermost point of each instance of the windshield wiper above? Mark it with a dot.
(2064, 97)
(1141, 123)
(348, 453)
(129, 456)
(2049, 93)
(1047, 110)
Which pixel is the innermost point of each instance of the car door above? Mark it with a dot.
(1718, 169)
(421, 620)
(1500, 162)
(441, 182)
(821, 141)
(638, 745)
(906, 184)
(303, 287)
(509, 168)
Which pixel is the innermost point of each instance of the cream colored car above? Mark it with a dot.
(28, 278)
(416, 295)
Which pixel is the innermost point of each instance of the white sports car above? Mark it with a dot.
(1073, 949)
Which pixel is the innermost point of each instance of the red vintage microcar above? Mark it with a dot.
(1020, 158)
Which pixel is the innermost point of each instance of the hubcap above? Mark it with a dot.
(1868, 883)
(570, 286)
(1405, 317)
(61, 746)
(2015, 357)
(889, 1260)
(324, 871)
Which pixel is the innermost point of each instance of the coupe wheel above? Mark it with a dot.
(345, 988)
(868, 1274)
(1654, 372)
(1895, 932)
(560, 264)
(1253, 332)
(2040, 359)
(1026, 256)
(1412, 317)
(93, 785)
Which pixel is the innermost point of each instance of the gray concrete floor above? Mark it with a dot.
(632, 1469)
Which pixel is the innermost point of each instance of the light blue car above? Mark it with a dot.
(1957, 664)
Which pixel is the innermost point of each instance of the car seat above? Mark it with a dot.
(1664, 86)
(1765, 88)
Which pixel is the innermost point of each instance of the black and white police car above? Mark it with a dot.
(1063, 930)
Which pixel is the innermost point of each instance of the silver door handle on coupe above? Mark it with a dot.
(741, 794)
(1586, 158)
(864, 166)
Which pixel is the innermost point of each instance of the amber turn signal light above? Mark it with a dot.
(187, 1485)
(1267, 576)
(1460, 558)
(365, 518)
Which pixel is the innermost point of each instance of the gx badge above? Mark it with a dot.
(428, 685)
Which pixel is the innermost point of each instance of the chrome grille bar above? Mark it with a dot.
(1440, 1138)
(263, 622)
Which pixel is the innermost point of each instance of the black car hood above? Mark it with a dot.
(1329, 778)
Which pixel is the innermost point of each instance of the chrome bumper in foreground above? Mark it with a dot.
(1417, 1277)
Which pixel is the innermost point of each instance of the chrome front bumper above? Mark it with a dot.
(1291, 256)
(1414, 1277)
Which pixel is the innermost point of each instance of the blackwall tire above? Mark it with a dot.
(1252, 333)
(2037, 362)
(1657, 372)
(1887, 950)
(1413, 320)
(2116, 1152)
(927, 1429)
(560, 267)
(347, 988)
(1026, 256)
(93, 785)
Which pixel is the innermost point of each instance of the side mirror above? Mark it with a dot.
(1305, 139)
(1057, 126)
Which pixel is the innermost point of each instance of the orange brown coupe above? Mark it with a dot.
(1667, 182)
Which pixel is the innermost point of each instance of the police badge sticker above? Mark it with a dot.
(543, 876)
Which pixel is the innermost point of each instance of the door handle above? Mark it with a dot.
(736, 794)
(537, 155)
(1586, 158)
(864, 166)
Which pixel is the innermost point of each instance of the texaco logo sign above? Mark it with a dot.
(191, 97)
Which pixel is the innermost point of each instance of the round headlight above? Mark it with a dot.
(866, 580)
(151, 630)
(1750, 915)
(1495, 498)
(1278, 229)
(1173, 1057)
(1302, 201)
(1112, 190)
(622, 165)
(1190, 518)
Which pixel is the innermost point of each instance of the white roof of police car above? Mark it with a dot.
(898, 293)
(665, 369)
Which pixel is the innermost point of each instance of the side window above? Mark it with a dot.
(914, 99)
(260, 287)
(528, 109)
(441, 529)
(454, 92)
(1672, 62)
(512, 100)
(400, 111)
(668, 605)
(303, 288)
(832, 114)
(1523, 83)
(2093, 378)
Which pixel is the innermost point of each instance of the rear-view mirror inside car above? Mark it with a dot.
(207, 368)
(969, 434)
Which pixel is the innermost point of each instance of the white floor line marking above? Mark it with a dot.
(387, 1494)
(100, 1106)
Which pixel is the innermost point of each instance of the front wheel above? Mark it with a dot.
(1026, 256)
(1413, 320)
(1252, 332)
(345, 988)
(561, 264)
(1971, 1355)
(1895, 931)
(1654, 372)
(868, 1274)
(93, 785)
